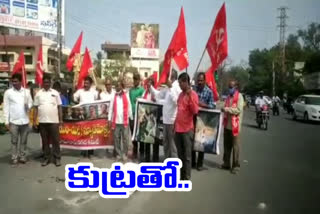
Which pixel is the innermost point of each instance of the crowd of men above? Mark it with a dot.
(181, 103)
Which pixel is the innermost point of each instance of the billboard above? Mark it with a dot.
(145, 40)
(35, 15)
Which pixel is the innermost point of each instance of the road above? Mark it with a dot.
(279, 174)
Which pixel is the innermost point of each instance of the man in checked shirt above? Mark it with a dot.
(205, 101)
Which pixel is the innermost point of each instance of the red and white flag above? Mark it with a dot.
(85, 68)
(75, 50)
(217, 45)
(217, 48)
(19, 67)
(39, 69)
(177, 50)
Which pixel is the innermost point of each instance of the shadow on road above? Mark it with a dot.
(211, 164)
(302, 121)
(250, 126)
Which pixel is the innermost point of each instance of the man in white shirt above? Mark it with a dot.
(260, 102)
(108, 93)
(168, 98)
(48, 104)
(86, 94)
(119, 114)
(17, 102)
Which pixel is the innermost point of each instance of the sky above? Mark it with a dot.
(251, 24)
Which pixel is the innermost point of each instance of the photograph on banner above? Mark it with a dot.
(147, 123)
(208, 131)
(86, 126)
(4, 6)
(89, 111)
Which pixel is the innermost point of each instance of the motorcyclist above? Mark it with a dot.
(275, 105)
(260, 102)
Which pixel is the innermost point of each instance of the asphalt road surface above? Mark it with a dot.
(279, 174)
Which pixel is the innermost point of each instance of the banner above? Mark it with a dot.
(208, 131)
(86, 127)
(35, 15)
(145, 40)
(148, 122)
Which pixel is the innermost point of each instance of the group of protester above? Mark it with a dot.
(181, 103)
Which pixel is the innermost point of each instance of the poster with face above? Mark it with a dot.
(207, 131)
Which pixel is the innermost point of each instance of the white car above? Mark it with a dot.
(307, 107)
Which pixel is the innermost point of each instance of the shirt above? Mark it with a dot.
(188, 106)
(85, 96)
(106, 96)
(206, 96)
(235, 111)
(120, 108)
(168, 98)
(47, 103)
(260, 102)
(16, 106)
(135, 93)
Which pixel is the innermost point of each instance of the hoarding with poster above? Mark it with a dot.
(145, 40)
(35, 15)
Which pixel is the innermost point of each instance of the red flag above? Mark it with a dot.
(177, 50)
(20, 67)
(85, 67)
(40, 70)
(217, 45)
(75, 50)
(211, 82)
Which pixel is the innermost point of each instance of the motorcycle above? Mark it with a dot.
(263, 117)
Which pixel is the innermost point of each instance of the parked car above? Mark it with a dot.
(307, 107)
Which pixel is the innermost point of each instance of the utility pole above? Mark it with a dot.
(283, 16)
(59, 37)
(273, 80)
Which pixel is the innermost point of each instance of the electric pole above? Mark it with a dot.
(59, 37)
(283, 16)
(273, 80)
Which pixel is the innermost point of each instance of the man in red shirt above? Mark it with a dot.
(188, 102)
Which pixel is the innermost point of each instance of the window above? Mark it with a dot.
(145, 74)
(28, 59)
(4, 58)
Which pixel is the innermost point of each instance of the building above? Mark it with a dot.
(114, 52)
(11, 46)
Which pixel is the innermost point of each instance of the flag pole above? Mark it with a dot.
(201, 59)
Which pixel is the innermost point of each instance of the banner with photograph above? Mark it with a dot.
(35, 15)
(86, 127)
(148, 122)
(145, 40)
(208, 131)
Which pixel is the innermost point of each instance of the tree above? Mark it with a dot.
(311, 37)
(97, 64)
(116, 66)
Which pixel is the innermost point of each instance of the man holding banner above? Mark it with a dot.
(86, 95)
(205, 101)
(168, 98)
